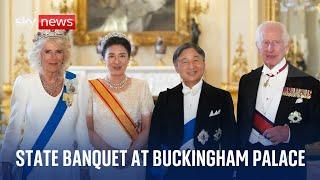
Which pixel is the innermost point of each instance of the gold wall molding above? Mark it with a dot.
(271, 10)
(10, 41)
(7, 87)
(240, 63)
(197, 7)
(229, 41)
(239, 67)
(5, 107)
(21, 65)
(64, 6)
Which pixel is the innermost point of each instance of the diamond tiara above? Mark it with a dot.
(115, 34)
(50, 34)
(103, 40)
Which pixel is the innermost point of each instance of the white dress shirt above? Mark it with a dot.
(191, 98)
(268, 98)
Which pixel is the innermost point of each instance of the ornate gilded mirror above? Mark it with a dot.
(302, 19)
(143, 20)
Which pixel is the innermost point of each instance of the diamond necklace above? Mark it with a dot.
(52, 88)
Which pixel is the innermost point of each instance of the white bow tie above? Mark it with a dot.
(193, 91)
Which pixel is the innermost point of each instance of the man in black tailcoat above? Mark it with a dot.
(192, 116)
(278, 106)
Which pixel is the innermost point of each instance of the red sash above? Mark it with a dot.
(260, 122)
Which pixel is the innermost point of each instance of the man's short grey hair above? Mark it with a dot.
(259, 34)
(35, 54)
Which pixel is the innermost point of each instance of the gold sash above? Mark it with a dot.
(115, 107)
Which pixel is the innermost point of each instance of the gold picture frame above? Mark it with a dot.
(271, 10)
(83, 37)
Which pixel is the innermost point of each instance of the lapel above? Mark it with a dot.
(253, 92)
(176, 116)
(202, 108)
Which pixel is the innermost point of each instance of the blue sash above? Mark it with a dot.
(159, 172)
(49, 128)
(188, 131)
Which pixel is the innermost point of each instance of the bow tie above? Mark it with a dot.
(193, 91)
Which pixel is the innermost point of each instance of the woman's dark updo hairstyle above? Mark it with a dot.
(115, 39)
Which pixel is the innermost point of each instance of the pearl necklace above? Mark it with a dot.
(119, 85)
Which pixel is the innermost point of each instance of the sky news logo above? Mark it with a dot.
(51, 22)
(22, 20)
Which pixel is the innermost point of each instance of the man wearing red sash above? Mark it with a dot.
(277, 105)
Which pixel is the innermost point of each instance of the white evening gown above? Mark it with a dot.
(31, 107)
(137, 101)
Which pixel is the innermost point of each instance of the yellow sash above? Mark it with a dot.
(114, 105)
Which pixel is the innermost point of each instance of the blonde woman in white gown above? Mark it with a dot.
(133, 97)
(34, 103)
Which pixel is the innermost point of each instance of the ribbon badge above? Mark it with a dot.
(297, 93)
(71, 89)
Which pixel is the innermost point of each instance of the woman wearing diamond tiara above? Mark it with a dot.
(119, 109)
(46, 110)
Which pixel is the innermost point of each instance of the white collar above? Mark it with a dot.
(275, 69)
(194, 90)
